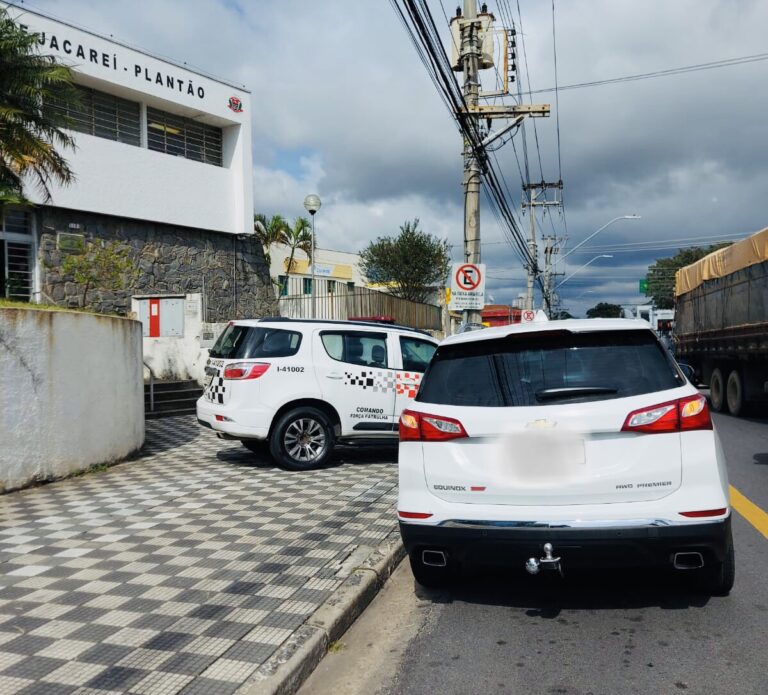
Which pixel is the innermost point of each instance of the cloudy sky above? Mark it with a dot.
(343, 107)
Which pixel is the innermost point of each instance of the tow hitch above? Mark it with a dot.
(534, 566)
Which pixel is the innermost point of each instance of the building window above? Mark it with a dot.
(183, 137)
(103, 115)
(15, 254)
(331, 284)
(282, 281)
(307, 285)
(350, 287)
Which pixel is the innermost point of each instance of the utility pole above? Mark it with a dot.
(470, 32)
(534, 190)
(470, 61)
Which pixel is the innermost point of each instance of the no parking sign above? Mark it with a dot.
(467, 286)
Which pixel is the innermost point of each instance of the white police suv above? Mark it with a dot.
(299, 386)
(557, 444)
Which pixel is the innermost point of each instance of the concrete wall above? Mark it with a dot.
(71, 393)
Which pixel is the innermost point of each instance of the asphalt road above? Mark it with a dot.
(589, 633)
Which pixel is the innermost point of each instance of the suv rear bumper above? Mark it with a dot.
(620, 546)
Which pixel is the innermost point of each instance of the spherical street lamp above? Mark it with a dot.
(312, 204)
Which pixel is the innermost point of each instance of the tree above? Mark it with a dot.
(269, 231)
(31, 134)
(413, 263)
(561, 315)
(661, 275)
(605, 310)
(101, 266)
(297, 237)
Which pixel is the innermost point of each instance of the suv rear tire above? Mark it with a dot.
(302, 439)
(717, 390)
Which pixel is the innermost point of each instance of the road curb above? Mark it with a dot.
(298, 656)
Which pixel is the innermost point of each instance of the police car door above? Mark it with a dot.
(415, 354)
(356, 377)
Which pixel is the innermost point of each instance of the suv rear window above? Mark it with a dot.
(248, 342)
(548, 368)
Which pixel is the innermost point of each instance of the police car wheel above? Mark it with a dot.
(302, 440)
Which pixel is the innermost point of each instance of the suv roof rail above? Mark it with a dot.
(286, 319)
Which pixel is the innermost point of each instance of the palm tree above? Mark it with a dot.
(269, 231)
(31, 135)
(297, 237)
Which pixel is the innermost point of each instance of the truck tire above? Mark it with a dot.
(734, 393)
(717, 390)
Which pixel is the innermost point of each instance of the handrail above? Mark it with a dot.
(151, 388)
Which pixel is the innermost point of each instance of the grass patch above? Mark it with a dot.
(98, 468)
(336, 647)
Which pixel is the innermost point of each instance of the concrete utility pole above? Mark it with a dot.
(470, 60)
(533, 190)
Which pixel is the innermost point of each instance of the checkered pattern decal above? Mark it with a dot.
(215, 391)
(408, 383)
(181, 571)
(375, 380)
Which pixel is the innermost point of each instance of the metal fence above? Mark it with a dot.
(358, 302)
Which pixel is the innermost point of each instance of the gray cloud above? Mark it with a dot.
(342, 106)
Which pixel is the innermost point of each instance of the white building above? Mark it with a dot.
(162, 167)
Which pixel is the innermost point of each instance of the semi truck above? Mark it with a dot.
(721, 322)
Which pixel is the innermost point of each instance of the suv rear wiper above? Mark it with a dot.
(568, 391)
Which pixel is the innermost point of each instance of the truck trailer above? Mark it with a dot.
(721, 322)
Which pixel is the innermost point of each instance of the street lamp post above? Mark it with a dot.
(602, 255)
(312, 205)
(597, 231)
(591, 236)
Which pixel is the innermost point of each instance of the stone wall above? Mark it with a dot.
(231, 273)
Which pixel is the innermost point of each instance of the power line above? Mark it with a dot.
(724, 63)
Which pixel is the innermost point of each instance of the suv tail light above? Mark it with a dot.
(421, 427)
(245, 370)
(689, 413)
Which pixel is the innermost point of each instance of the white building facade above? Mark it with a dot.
(162, 169)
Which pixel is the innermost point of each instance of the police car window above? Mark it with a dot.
(416, 354)
(365, 349)
(248, 342)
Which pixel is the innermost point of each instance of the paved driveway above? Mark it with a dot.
(181, 571)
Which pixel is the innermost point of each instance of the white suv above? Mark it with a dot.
(557, 444)
(299, 386)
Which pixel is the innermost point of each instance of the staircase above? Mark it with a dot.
(171, 398)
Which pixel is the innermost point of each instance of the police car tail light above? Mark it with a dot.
(422, 427)
(245, 370)
(690, 413)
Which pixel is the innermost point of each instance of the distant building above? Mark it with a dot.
(334, 271)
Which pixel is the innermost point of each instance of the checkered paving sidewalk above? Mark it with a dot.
(181, 571)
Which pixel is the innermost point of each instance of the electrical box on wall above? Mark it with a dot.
(161, 317)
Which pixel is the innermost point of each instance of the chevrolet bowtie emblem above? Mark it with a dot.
(540, 425)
